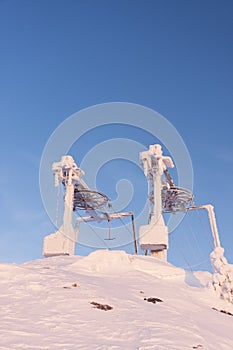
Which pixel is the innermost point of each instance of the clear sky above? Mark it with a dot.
(60, 56)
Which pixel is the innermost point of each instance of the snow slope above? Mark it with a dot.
(46, 304)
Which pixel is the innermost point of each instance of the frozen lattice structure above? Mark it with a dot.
(222, 280)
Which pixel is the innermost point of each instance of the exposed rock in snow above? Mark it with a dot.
(104, 307)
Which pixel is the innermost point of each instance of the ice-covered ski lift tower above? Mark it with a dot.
(78, 196)
(164, 196)
(154, 236)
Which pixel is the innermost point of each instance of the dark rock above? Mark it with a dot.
(104, 307)
(223, 311)
(153, 300)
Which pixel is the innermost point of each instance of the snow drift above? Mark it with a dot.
(110, 300)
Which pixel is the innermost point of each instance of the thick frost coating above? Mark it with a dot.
(222, 280)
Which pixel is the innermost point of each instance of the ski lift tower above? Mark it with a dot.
(165, 197)
(154, 236)
(78, 196)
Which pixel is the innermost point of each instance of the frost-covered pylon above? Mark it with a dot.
(78, 196)
(163, 196)
(154, 236)
(63, 241)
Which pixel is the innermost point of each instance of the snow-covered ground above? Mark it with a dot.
(46, 304)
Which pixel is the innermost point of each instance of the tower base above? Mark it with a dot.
(59, 244)
(154, 237)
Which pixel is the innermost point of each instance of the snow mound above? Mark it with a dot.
(104, 261)
(108, 262)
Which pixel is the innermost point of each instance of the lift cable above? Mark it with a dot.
(94, 231)
(194, 235)
(204, 229)
(123, 223)
(196, 241)
(185, 260)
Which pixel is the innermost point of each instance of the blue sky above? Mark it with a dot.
(58, 57)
